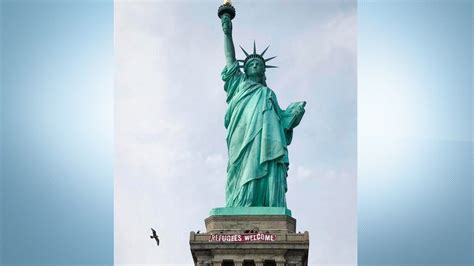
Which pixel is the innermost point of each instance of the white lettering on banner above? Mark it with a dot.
(265, 237)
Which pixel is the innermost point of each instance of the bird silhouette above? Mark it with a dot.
(155, 236)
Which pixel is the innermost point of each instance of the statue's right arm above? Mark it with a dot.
(229, 49)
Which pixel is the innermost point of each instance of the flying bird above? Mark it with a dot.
(155, 236)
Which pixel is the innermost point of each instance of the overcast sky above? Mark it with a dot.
(170, 137)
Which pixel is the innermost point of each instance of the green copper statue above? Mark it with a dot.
(258, 130)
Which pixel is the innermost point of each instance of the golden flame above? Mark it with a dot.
(227, 2)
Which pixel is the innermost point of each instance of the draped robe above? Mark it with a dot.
(258, 132)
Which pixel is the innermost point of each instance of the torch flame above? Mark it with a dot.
(227, 2)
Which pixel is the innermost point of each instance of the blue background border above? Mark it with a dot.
(415, 133)
(57, 132)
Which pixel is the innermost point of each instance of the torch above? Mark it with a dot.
(226, 8)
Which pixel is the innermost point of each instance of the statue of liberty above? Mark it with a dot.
(258, 130)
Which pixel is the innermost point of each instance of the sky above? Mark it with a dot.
(170, 153)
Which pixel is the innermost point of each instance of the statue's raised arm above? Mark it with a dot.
(229, 49)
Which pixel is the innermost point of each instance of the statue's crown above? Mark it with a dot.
(254, 55)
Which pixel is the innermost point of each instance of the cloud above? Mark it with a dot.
(216, 159)
(303, 173)
(336, 38)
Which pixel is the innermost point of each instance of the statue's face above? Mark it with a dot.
(255, 67)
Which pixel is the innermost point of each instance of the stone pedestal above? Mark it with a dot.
(243, 240)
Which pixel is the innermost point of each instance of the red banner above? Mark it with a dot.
(259, 237)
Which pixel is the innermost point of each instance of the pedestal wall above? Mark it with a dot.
(250, 240)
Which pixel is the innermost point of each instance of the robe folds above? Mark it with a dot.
(258, 132)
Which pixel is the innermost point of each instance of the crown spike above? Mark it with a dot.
(271, 67)
(264, 50)
(243, 50)
(268, 59)
(254, 48)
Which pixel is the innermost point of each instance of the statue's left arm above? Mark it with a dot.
(293, 114)
(291, 118)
